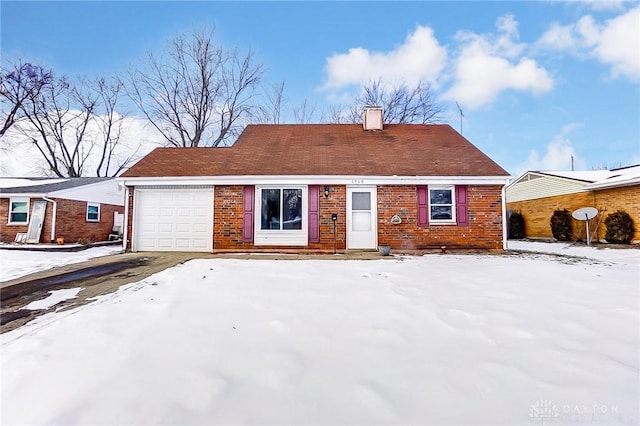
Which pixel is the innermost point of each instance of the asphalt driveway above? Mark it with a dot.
(104, 275)
(98, 276)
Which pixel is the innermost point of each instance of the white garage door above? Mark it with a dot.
(173, 220)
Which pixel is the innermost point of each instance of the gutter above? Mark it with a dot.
(53, 216)
(125, 221)
(313, 180)
(504, 218)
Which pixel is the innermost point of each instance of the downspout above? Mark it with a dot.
(53, 216)
(504, 216)
(125, 223)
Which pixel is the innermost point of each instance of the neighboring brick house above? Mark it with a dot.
(74, 209)
(536, 194)
(280, 187)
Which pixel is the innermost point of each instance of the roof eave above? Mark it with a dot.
(23, 194)
(313, 180)
(607, 185)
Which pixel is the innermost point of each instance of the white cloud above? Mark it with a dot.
(507, 40)
(20, 158)
(614, 42)
(489, 64)
(420, 57)
(605, 4)
(558, 155)
(559, 37)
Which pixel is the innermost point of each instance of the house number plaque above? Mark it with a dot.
(395, 219)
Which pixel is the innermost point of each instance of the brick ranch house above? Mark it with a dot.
(285, 187)
(75, 209)
(536, 194)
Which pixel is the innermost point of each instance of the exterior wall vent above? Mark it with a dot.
(372, 118)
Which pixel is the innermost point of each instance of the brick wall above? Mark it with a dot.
(72, 225)
(8, 232)
(71, 222)
(626, 198)
(484, 229)
(336, 202)
(227, 227)
(537, 213)
(484, 206)
(227, 211)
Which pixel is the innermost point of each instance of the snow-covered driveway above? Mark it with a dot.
(439, 339)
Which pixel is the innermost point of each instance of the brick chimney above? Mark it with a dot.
(372, 118)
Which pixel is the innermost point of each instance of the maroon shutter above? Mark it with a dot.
(247, 214)
(423, 205)
(314, 213)
(461, 205)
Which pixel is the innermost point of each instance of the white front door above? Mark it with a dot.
(362, 217)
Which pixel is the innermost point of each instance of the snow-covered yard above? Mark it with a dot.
(439, 339)
(17, 263)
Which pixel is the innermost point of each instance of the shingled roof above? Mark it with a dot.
(327, 149)
(38, 185)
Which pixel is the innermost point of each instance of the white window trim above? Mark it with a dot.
(87, 213)
(453, 219)
(18, 200)
(285, 237)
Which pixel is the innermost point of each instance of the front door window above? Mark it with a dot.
(361, 215)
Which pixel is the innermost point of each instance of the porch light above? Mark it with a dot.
(326, 192)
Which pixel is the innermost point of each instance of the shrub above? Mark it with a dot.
(619, 227)
(561, 225)
(516, 226)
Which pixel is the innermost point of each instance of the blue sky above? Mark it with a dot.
(538, 81)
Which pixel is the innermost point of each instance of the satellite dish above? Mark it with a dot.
(585, 213)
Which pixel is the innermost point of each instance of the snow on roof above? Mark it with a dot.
(596, 179)
(618, 177)
(22, 182)
(585, 175)
(44, 185)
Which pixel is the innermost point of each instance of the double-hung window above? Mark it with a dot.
(282, 215)
(18, 211)
(441, 204)
(93, 212)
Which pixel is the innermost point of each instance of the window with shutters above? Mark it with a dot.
(442, 204)
(281, 215)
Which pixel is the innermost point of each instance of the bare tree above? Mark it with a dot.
(72, 126)
(196, 93)
(271, 112)
(19, 82)
(56, 130)
(304, 112)
(400, 102)
(340, 114)
(110, 127)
